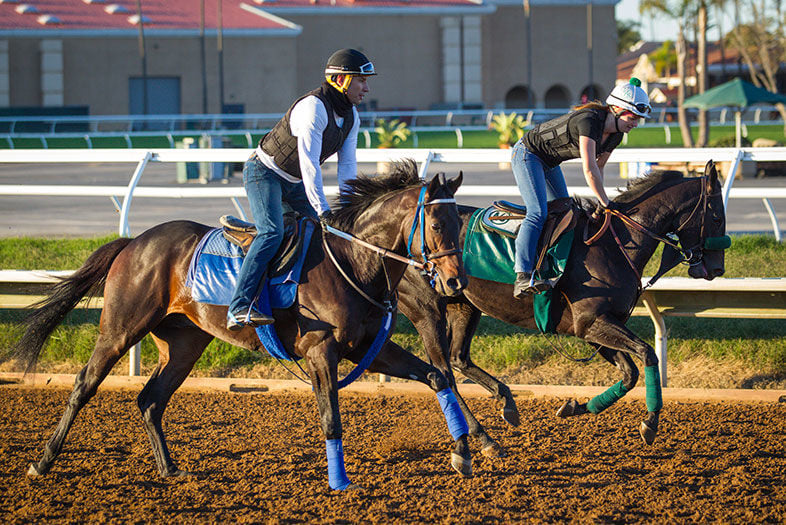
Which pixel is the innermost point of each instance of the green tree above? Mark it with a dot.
(510, 128)
(664, 59)
(628, 35)
(761, 41)
(391, 133)
(687, 15)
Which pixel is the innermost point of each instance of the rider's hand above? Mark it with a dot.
(325, 218)
(598, 214)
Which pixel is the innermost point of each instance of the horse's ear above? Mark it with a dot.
(435, 183)
(711, 172)
(455, 182)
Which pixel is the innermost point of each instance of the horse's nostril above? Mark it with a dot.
(454, 284)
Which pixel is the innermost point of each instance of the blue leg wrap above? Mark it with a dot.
(457, 424)
(601, 402)
(654, 396)
(337, 475)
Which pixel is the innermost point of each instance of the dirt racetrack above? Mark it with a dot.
(260, 457)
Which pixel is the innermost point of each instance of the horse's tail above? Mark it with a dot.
(62, 297)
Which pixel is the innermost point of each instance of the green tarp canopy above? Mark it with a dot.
(735, 93)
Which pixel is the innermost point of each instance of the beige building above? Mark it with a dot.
(429, 54)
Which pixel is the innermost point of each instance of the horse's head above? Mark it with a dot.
(439, 246)
(701, 228)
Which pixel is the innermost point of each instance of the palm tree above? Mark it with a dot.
(677, 11)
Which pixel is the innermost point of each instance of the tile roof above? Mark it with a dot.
(114, 15)
(367, 3)
(34, 17)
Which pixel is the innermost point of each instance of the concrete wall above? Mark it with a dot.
(406, 51)
(415, 57)
(257, 72)
(559, 50)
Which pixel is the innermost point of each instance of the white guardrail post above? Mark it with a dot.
(123, 228)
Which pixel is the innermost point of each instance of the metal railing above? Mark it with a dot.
(175, 126)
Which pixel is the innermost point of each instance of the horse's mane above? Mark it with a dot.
(358, 194)
(637, 188)
(641, 186)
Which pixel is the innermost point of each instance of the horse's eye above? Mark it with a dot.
(437, 227)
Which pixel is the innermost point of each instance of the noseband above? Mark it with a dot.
(427, 267)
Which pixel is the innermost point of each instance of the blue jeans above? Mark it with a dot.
(538, 185)
(266, 194)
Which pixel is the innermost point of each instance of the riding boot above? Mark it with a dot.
(247, 315)
(521, 285)
(525, 284)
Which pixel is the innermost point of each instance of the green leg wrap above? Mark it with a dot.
(603, 401)
(654, 395)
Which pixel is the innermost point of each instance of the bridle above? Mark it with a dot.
(427, 267)
(692, 256)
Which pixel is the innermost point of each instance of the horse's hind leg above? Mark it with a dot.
(599, 403)
(180, 343)
(107, 352)
(395, 361)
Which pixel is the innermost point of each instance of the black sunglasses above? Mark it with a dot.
(640, 107)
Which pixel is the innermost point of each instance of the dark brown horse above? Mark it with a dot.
(595, 295)
(333, 319)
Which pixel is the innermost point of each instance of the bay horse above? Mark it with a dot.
(144, 290)
(595, 295)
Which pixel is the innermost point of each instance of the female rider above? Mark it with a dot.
(591, 131)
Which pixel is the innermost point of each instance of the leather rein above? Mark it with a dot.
(692, 256)
(427, 266)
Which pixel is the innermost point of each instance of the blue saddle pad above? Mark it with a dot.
(212, 277)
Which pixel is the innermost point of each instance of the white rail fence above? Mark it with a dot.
(732, 158)
(768, 289)
(751, 298)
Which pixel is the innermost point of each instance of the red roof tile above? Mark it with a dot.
(162, 14)
(366, 3)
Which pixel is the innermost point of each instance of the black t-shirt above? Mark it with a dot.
(557, 140)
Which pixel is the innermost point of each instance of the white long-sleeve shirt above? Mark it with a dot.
(307, 122)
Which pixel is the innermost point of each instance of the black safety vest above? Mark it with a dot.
(557, 140)
(280, 144)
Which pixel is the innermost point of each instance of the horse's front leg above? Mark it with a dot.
(464, 319)
(322, 362)
(395, 361)
(607, 331)
(599, 403)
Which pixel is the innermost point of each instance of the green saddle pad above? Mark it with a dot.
(489, 255)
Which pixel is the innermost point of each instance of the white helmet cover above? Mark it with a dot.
(631, 97)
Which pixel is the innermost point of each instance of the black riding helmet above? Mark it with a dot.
(347, 62)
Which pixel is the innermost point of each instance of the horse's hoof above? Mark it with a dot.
(33, 472)
(571, 408)
(461, 465)
(493, 450)
(647, 433)
(353, 486)
(511, 415)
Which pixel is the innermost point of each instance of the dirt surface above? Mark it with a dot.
(260, 457)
